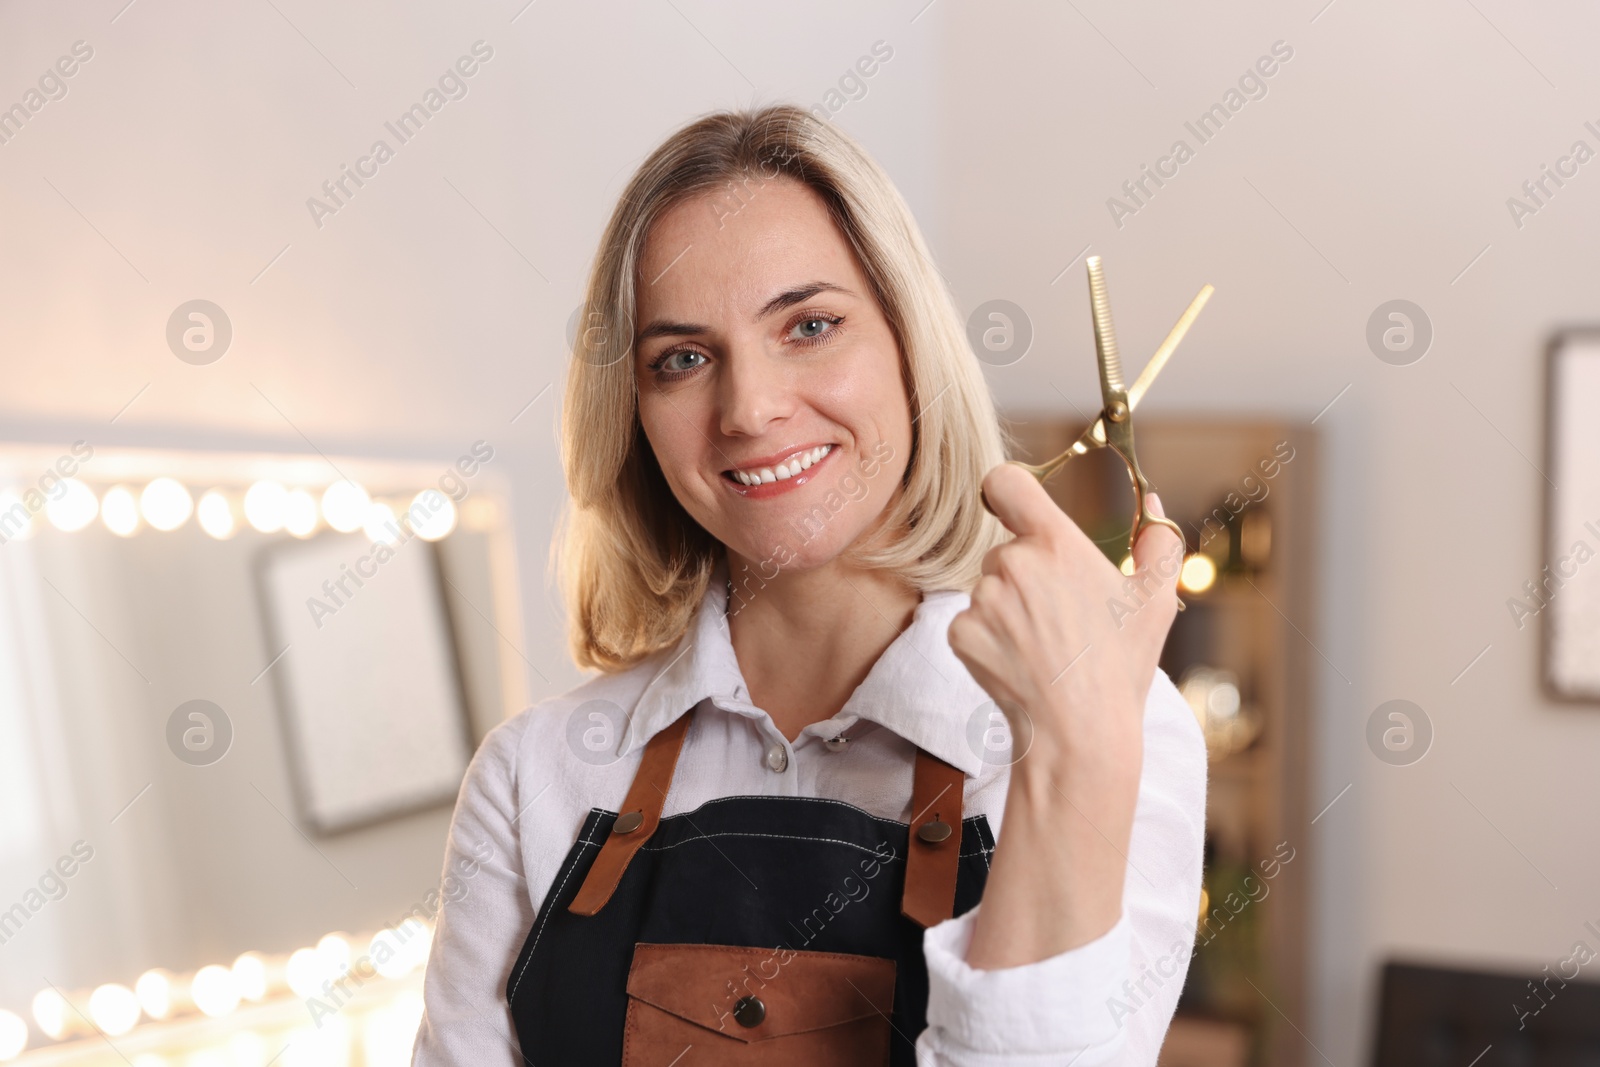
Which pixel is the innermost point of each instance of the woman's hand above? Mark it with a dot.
(1068, 647)
(1064, 642)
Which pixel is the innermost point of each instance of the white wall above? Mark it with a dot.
(1390, 141)
(431, 309)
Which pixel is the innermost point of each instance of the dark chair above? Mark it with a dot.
(1446, 1017)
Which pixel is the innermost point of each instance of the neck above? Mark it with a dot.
(806, 639)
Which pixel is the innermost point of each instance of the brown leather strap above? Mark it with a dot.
(932, 859)
(646, 796)
(935, 841)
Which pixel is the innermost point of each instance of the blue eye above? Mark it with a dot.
(669, 364)
(811, 327)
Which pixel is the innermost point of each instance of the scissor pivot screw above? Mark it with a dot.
(1118, 411)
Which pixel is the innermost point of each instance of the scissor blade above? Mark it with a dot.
(1095, 436)
(1170, 345)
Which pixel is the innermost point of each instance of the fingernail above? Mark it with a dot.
(1153, 502)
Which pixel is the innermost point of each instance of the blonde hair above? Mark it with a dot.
(633, 565)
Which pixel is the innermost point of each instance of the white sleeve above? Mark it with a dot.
(1109, 1001)
(484, 916)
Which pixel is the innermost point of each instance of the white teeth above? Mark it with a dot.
(788, 469)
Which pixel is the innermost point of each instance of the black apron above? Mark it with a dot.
(746, 927)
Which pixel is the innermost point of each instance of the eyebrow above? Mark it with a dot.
(786, 299)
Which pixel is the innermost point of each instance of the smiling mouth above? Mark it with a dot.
(793, 465)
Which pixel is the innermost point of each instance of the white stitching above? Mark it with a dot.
(794, 837)
(780, 837)
(808, 800)
(544, 913)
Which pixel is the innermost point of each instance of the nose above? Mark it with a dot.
(753, 392)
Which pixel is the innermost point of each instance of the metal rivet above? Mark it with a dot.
(749, 1011)
(934, 832)
(628, 823)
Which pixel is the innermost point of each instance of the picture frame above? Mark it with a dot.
(369, 687)
(1566, 592)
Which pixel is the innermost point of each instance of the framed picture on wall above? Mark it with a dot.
(369, 688)
(1566, 593)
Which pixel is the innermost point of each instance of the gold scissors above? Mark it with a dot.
(1114, 428)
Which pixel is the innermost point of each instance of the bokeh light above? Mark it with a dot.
(154, 990)
(344, 506)
(381, 525)
(13, 1035)
(119, 510)
(300, 513)
(50, 1011)
(215, 992)
(166, 504)
(16, 521)
(1198, 574)
(250, 975)
(217, 515)
(114, 1008)
(265, 506)
(433, 515)
(74, 508)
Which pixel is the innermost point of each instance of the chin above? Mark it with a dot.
(786, 548)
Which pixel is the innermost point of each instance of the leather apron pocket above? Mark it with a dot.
(777, 1007)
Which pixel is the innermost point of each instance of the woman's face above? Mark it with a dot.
(769, 380)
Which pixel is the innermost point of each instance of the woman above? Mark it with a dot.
(828, 677)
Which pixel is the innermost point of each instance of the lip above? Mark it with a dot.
(772, 489)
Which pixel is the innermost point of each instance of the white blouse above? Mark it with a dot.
(536, 776)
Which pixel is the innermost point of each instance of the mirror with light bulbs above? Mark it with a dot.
(237, 696)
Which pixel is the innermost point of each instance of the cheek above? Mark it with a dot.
(866, 387)
(670, 434)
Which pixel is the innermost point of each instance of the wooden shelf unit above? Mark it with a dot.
(1257, 624)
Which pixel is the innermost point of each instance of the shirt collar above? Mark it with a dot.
(917, 688)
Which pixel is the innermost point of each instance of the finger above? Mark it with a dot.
(974, 644)
(1158, 553)
(1020, 503)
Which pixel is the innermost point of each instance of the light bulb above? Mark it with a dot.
(335, 952)
(50, 1012)
(264, 506)
(1199, 573)
(16, 521)
(154, 990)
(120, 511)
(250, 974)
(214, 990)
(1223, 702)
(13, 1035)
(114, 1008)
(166, 504)
(75, 508)
(304, 972)
(300, 513)
(381, 525)
(432, 515)
(344, 506)
(216, 515)
(389, 957)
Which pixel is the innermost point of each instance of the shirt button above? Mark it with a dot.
(836, 744)
(777, 758)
